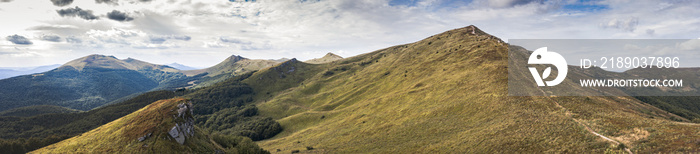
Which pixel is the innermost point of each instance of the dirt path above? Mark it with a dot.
(568, 114)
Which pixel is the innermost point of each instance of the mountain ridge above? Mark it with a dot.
(445, 93)
(85, 83)
(329, 57)
(111, 62)
(181, 66)
(448, 93)
(8, 72)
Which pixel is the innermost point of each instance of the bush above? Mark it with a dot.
(237, 144)
(328, 73)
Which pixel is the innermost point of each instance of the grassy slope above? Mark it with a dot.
(75, 123)
(447, 93)
(121, 135)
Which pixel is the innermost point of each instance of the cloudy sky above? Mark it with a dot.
(201, 33)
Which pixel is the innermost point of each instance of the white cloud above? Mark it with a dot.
(271, 29)
(628, 24)
(693, 44)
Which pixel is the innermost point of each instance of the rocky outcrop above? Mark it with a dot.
(144, 137)
(184, 126)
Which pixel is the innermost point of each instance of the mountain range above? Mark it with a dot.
(447, 93)
(79, 84)
(7, 72)
(84, 83)
(181, 67)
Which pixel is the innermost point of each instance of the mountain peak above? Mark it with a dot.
(474, 30)
(111, 62)
(95, 61)
(470, 31)
(235, 58)
(329, 57)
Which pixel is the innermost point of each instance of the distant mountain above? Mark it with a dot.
(329, 57)
(85, 83)
(231, 66)
(94, 80)
(6, 72)
(181, 67)
(165, 126)
(111, 62)
(447, 93)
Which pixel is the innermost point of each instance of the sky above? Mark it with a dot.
(201, 33)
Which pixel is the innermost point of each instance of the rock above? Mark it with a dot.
(145, 137)
(185, 129)
(219, 152)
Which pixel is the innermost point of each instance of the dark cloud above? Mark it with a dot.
(52, 38)
(234, 41)
(119, 16)
(113, 2)
(650, 31)
(72, 12)
(161, 39)
(61, 2)
(246, 45)
(157, 40)
(73, 39)
(16, 39)
(510, 3)
(116, 2)
(183, 37)
(5, 0)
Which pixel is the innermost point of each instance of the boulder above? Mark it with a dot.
(182, 130)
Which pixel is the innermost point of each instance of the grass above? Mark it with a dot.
(447, 93)
(120, 136)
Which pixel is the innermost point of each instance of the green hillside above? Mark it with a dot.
(84, 83)
(448, 93)
(680, 101)
(24, 134)
(161, 127)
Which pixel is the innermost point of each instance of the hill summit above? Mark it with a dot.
(329, 57)
(111, 62)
